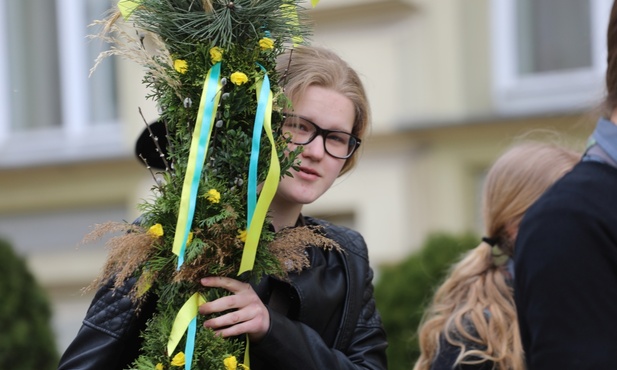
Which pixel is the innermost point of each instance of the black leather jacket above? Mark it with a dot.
(322, 318)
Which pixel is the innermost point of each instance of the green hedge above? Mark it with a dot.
(27, 340)
(402, 292)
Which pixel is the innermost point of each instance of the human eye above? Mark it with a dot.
(290, 123)
(339, 138)
(297, 124)
(297, 130)
(303, 125)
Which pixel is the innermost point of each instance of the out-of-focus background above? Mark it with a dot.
(452, 83)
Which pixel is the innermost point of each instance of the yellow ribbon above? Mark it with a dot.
(187, 313)
(247, 358)
(183, 212)
(127, 7)
(265, 197)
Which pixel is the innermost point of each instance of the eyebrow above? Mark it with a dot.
(318, 125)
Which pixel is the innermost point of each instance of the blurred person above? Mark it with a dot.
(471, 322)
(566, 254)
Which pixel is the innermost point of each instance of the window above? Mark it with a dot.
(548, 55)
(50, 109)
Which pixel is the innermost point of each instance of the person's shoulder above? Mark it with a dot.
(588, 182)
(589, 174)
(348, 239)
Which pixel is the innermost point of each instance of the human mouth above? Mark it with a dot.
(307, 172)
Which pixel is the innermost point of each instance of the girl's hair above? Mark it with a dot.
(474, 307)
(610, 102)
(305, 66)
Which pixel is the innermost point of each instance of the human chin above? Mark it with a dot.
(298, 191)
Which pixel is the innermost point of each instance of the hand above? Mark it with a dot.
(249, 314)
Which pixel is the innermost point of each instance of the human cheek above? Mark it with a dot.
(334, 167)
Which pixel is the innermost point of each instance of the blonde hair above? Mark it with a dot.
(305, 66)
(610, 101)
(475, 303)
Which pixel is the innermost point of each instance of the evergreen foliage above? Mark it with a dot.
(403, 291)
(27, 341)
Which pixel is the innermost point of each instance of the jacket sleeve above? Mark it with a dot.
(109, 336)
(292, 344)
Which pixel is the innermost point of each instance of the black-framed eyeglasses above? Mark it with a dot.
(301, 131)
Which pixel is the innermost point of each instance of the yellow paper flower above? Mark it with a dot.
(230, 363)
(213, 196)
(189, 239)
(238, 78)
(159, 366)
(178, 359)
(241, 235)
(180, 65)
(266, 43)
(156, 230)
(216, 54)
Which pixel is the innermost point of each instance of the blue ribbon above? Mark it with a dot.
(204, 137)
(262, 103)
(190, 344)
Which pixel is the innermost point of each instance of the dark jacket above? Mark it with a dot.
(448, 353)
(323, 318)
(566, 272)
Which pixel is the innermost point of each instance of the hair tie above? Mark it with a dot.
(499, 257)
(490, 241)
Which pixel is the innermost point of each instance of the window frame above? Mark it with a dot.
(77, 138)
(546, 92)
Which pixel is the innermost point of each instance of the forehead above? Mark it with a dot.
(326, 107)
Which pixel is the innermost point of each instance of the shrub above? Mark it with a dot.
(27, 340)
(403, 291)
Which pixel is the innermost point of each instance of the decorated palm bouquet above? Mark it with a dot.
(210, 65)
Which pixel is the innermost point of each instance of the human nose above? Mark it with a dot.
(315, 149)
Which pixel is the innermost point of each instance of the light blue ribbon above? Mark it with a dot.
(204, 135)
(190, 344)
(262, 103)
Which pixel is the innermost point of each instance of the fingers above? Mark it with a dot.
(236, 330)
(226, 283)
(222, 304)
(242, 312)
(242, 296)
(247, 320)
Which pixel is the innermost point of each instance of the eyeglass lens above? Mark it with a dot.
(301, 132)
